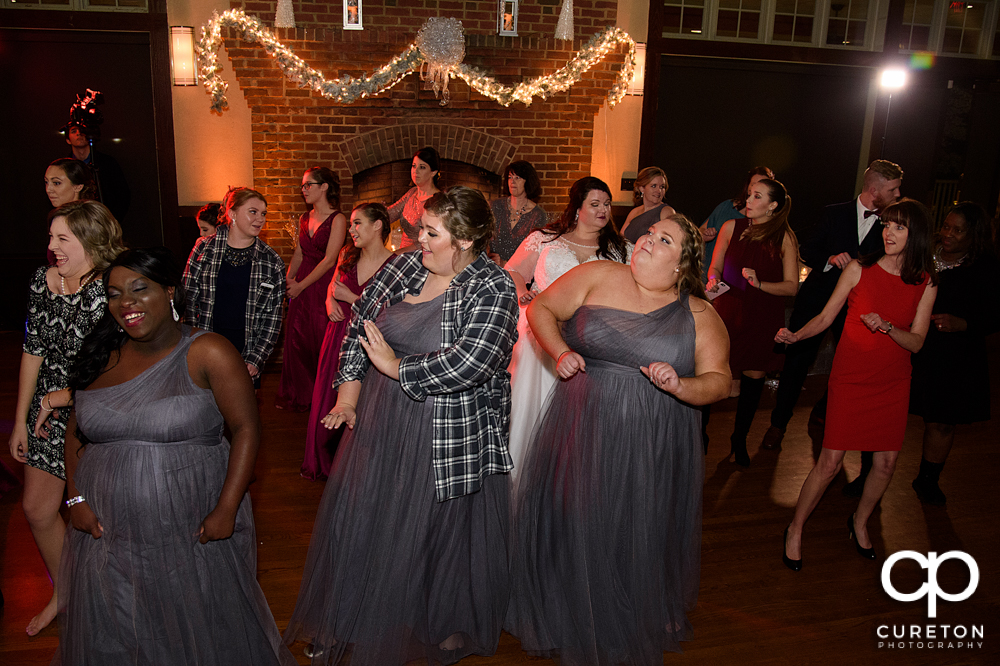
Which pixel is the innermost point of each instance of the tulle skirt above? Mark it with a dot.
(533, 374)
(392, 573)
(607, 541)
(147, 592)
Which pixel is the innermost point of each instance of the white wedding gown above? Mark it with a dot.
(533, 371)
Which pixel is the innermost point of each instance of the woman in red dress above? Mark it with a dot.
(758, 258)
(321, 235)
(889, 302)
(359, 262)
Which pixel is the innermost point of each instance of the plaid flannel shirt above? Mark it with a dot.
(467, 376)
(267, 289)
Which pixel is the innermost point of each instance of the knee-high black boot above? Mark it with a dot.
(926, 483)
(746, 408)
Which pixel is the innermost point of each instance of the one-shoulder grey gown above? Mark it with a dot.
(147, 592)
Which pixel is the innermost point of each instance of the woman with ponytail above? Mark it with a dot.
(757, 258)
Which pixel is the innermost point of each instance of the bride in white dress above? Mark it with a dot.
(584, 232)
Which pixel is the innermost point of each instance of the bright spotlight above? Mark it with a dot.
(893, 79)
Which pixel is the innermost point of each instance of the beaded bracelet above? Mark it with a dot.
(41, 404)
(73, 501)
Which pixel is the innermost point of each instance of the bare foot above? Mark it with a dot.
(453, 642)
(43, 619)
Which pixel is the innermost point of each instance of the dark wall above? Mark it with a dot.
(718, 118)
(40, 73)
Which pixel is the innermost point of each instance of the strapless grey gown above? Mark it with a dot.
(147, 592)
(607, 544)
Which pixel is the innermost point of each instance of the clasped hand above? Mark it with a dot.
(874, 322)
(786, 336)
(219, 524)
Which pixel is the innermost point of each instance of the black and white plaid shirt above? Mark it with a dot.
(467, 376)
(267, 288)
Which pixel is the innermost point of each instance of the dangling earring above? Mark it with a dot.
(577, 216)
(173, 312)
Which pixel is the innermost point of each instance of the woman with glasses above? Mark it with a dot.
(321, 235)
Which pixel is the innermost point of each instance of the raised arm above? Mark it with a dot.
(719, 255)
(848, 280)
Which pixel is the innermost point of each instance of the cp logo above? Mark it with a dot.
(930, 588)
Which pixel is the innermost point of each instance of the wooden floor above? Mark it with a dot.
(751, 608)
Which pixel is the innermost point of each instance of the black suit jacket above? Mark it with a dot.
(837, 233)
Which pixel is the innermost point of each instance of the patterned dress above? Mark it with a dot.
(55, 329)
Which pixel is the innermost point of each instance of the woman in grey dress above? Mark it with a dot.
(408, 557)
(161, 566)
(608, 525)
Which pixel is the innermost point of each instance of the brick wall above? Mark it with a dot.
(294, 129)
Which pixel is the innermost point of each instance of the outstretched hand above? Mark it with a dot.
(339, 415)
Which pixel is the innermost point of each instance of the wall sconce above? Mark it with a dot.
(507, 18)
(639, 73)
(182, 56)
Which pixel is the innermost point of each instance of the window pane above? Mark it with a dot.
(783, 27)
(749, 23)
(671, 20)
(856, 33)
(970, 41)
(858, 9)
(952, 40)
(729, 4)
(752, 5)
(924, 13)
(728, 20)
(837, 31)
(785, 7)
(806, 7)
(996, 44)
(692, 20)
(955, 18)
(804, 29)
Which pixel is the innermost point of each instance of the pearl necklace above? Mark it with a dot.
(589, 247)
(83, 282)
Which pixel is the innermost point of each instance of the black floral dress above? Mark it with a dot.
(55, 329)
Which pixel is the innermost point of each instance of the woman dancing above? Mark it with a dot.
(408, 557)
(64, 302)
(648, 192)
(889, 299)
(608, 525)
(757, 257)
(359, 261)
(583, 233)
(161, 566)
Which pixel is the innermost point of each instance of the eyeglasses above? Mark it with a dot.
(306, 186)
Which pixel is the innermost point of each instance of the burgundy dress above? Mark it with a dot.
(752, 317)
(870, 380)
(306, 322)
(320, 442)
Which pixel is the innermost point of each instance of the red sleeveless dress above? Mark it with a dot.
(870, 381)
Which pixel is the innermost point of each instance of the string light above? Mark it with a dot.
(348, 89)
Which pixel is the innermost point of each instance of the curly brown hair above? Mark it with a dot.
(96, 229)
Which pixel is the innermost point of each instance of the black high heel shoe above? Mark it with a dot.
(794, 565)
(868, 553)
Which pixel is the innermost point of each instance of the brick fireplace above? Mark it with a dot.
(369, 144)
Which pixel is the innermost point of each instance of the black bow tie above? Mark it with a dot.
(869, 213)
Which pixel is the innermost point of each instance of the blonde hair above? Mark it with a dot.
(234, 199)
(95, 227)
(644, 178)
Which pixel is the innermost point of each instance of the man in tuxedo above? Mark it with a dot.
(848, 230)
(112, 187)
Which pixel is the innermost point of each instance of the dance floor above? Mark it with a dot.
(751, 609)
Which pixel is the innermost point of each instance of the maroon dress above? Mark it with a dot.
(752, 317)
(306, 322)
(320, 442)
(870, 381)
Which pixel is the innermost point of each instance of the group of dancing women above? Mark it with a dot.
(507, 411)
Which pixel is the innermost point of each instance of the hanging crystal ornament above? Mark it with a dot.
(285, 16)
(564, 28)
(442, 44)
